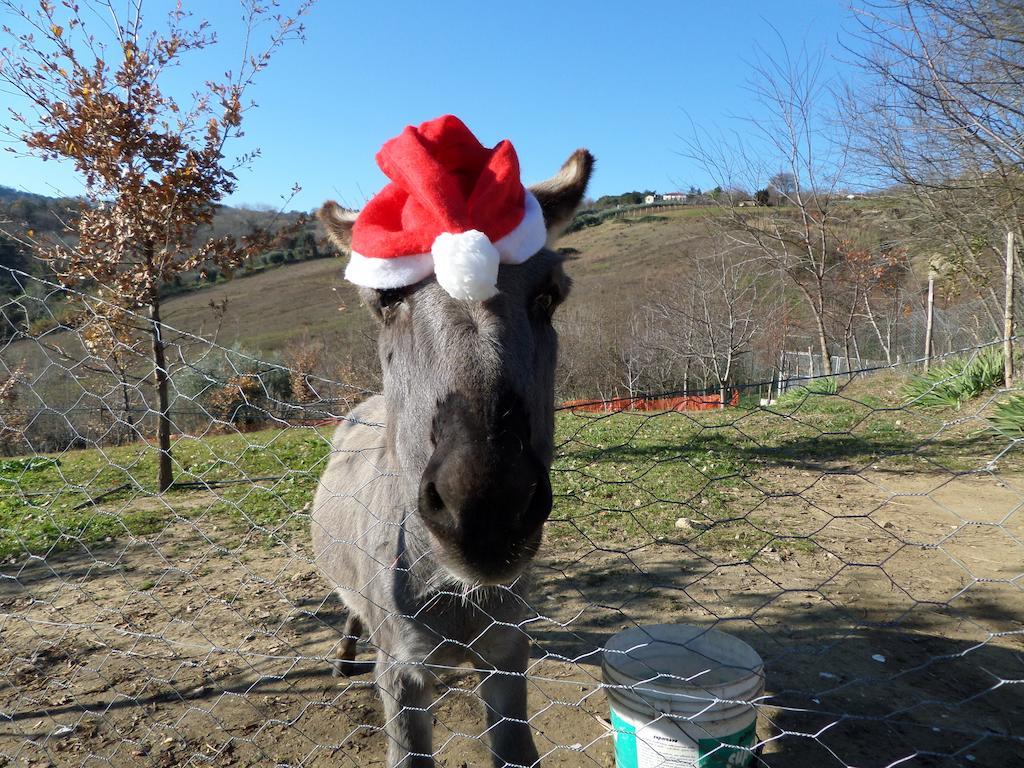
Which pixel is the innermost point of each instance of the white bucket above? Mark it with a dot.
(682, 697)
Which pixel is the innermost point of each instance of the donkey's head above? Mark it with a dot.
(469, 388)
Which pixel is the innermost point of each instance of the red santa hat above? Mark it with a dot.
(454, 208)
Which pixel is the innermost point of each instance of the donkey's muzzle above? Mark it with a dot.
(484, 494)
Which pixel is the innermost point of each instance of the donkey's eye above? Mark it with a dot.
(544, 302)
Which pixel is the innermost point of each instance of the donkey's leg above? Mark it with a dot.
(407, 692)
(504, 693)
(343, 663)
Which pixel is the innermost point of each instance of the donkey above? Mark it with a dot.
(433, 502)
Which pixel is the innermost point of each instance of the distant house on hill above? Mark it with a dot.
(648, 199)
(674, 197)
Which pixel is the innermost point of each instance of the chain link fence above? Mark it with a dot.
(870, 551)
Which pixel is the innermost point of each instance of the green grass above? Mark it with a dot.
(43, 499)
(620, 480)
(628, 477)
(623, 480)
(824, 386)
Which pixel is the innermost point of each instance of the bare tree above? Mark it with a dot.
(716, 316)
(942, 115)
(797, 144)
(153, 171)
(12, 419)
(867, 276)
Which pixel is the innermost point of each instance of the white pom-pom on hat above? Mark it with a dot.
(466, 265)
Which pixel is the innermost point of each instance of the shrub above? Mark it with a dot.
(955, 382)
(583, 220)
(233, 386)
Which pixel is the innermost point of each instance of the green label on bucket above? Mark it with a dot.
(665, 743)
(625, 742)
(720, 753)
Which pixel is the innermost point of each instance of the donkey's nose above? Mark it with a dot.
(484, 493)
(432, 505)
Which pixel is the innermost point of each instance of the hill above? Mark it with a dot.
(26, 216)
(612, 266)
(309, 307)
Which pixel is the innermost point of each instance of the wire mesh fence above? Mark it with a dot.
(870, 551)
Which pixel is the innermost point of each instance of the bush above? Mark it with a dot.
(232, 386)
(955, 382)
(583, 220)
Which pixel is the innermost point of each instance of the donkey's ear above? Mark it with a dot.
(337, 223)
(560, 195)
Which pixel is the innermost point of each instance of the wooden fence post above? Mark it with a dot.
(1008, 315)
(929, 320)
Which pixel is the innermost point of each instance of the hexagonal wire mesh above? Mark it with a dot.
(871, 551)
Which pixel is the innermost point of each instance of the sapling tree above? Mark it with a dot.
(90, 87)
(804, 157)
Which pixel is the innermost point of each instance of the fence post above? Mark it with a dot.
(929, 319)
(782, 365)
(1008, 315)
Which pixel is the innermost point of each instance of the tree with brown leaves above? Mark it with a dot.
(153, 169)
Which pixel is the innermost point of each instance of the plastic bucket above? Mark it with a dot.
(682, 697)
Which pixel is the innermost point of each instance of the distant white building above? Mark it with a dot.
(673, 197)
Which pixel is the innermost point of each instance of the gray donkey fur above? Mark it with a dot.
(429, 600)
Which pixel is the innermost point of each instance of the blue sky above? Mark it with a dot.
(623, 80)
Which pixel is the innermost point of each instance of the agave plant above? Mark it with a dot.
(955, 382)
(827, 385)
(1007, 417)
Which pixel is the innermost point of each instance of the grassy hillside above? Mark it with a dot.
(613, 266)
(268, 310)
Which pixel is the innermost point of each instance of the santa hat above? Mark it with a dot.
(454, 208)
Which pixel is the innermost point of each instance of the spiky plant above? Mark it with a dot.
(956, 381)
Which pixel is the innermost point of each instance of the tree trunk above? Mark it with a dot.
(127, 405)
(163, 425)
(782, 365)
(847, 350)
(826, 358)
(1008, 315)
(723, 381)
(929, 320)
(878, 331)
(818, 310)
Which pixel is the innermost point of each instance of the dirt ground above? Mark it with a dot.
(898, 637)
